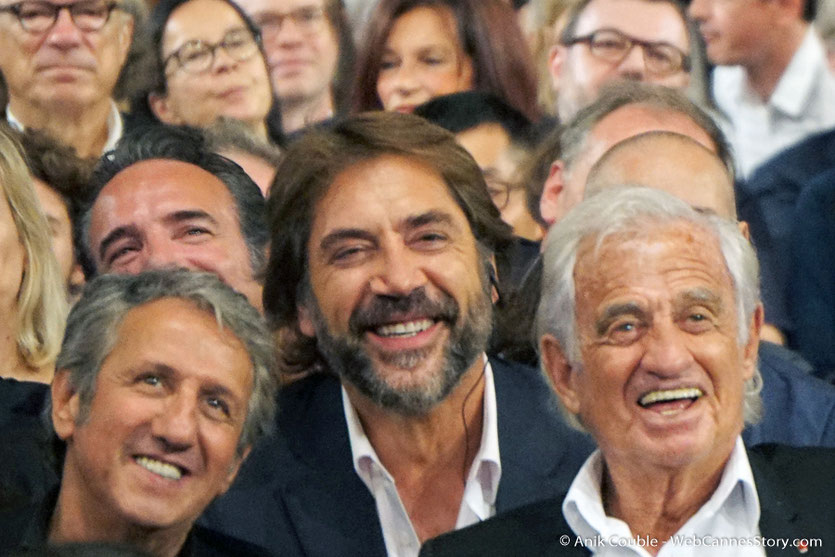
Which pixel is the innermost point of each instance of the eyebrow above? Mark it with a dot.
(701, 296)
(410, 223)
(429, 217)
(118, 233)
(188, 214)
(614, 311)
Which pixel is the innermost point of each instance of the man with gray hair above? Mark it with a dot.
(164, 382)
(659, 365)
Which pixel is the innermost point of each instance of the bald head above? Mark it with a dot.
(671, 162)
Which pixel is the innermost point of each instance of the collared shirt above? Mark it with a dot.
(800, 105)
(115, 127)
(727, 524)
(478, 502)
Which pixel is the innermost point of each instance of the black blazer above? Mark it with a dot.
(796, 488)
(298, 494)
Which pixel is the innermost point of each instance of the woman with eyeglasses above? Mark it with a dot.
(209, 65)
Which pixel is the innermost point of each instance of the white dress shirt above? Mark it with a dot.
(115, 128)
(478, 502)
(727, 524)
(801, 105)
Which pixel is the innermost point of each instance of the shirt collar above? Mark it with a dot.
(485, 471)
(797, 84)
(583, 505)
(115, 126)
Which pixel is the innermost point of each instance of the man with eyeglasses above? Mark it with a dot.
(61, 61)
(607, 40)
(307, 43)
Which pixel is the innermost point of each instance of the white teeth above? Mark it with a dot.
(667, 395)
(159, 468)
(408, 329)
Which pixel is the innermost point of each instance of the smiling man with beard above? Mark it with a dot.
(380, 288)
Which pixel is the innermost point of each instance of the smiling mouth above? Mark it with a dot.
(670, 401)
(405, 329)
(160, 468)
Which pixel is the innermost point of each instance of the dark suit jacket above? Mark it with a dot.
(796, 488)
(767, 201)
(298, 494)
(812, 284)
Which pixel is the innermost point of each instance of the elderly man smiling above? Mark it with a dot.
(659, 365)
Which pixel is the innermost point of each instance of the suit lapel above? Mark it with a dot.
(330, 507)
(540, 454)
(778, 516)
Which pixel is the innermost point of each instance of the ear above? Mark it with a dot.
(556, 61)
(125, 37)
(560, 372)
(65, 405)
(554, 185)
(76, 279)
(162, 109)
(751, 348)
(743, 229)
(305, 322)
(233, 471)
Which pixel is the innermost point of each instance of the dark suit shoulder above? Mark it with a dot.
(205, 542)
(535, 529)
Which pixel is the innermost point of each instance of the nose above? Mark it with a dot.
(175, 425)
(222, 60)
(164, 254)
(288, 32)
(405, 81)
(398, 273)
(64, 34)
(633, 66)
(666, 353)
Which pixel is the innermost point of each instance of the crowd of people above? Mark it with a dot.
(417, 277)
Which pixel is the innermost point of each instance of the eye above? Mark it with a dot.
(217, 404)
(388, 64)
(119, 255)
(347, 254)
(430, 240)
(151, 381)
(624, 331)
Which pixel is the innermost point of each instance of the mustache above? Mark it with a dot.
(382, 310)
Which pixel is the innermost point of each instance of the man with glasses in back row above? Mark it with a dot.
(61, 62)
(609, 40)
(309, 49)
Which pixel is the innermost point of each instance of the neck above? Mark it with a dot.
(297, 114)
(429, 456)
(656, 502)
(79, 517)
(765, 72)
(84, 128)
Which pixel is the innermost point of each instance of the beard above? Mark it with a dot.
(347, 357)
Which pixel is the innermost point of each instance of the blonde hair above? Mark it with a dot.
(42, 298)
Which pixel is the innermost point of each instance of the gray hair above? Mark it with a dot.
(93, 326)
(629, 210)
(619, 94)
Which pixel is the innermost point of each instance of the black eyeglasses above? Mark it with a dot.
(660, 59)
(309, 20)
(39, 17)
(198, 56)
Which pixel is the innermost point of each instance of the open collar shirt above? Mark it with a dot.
(727, 524)
(115, 127)
(478, 502)
(801, 105)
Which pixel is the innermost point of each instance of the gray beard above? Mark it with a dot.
(347, 358)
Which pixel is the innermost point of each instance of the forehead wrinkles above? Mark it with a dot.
(674, 251)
